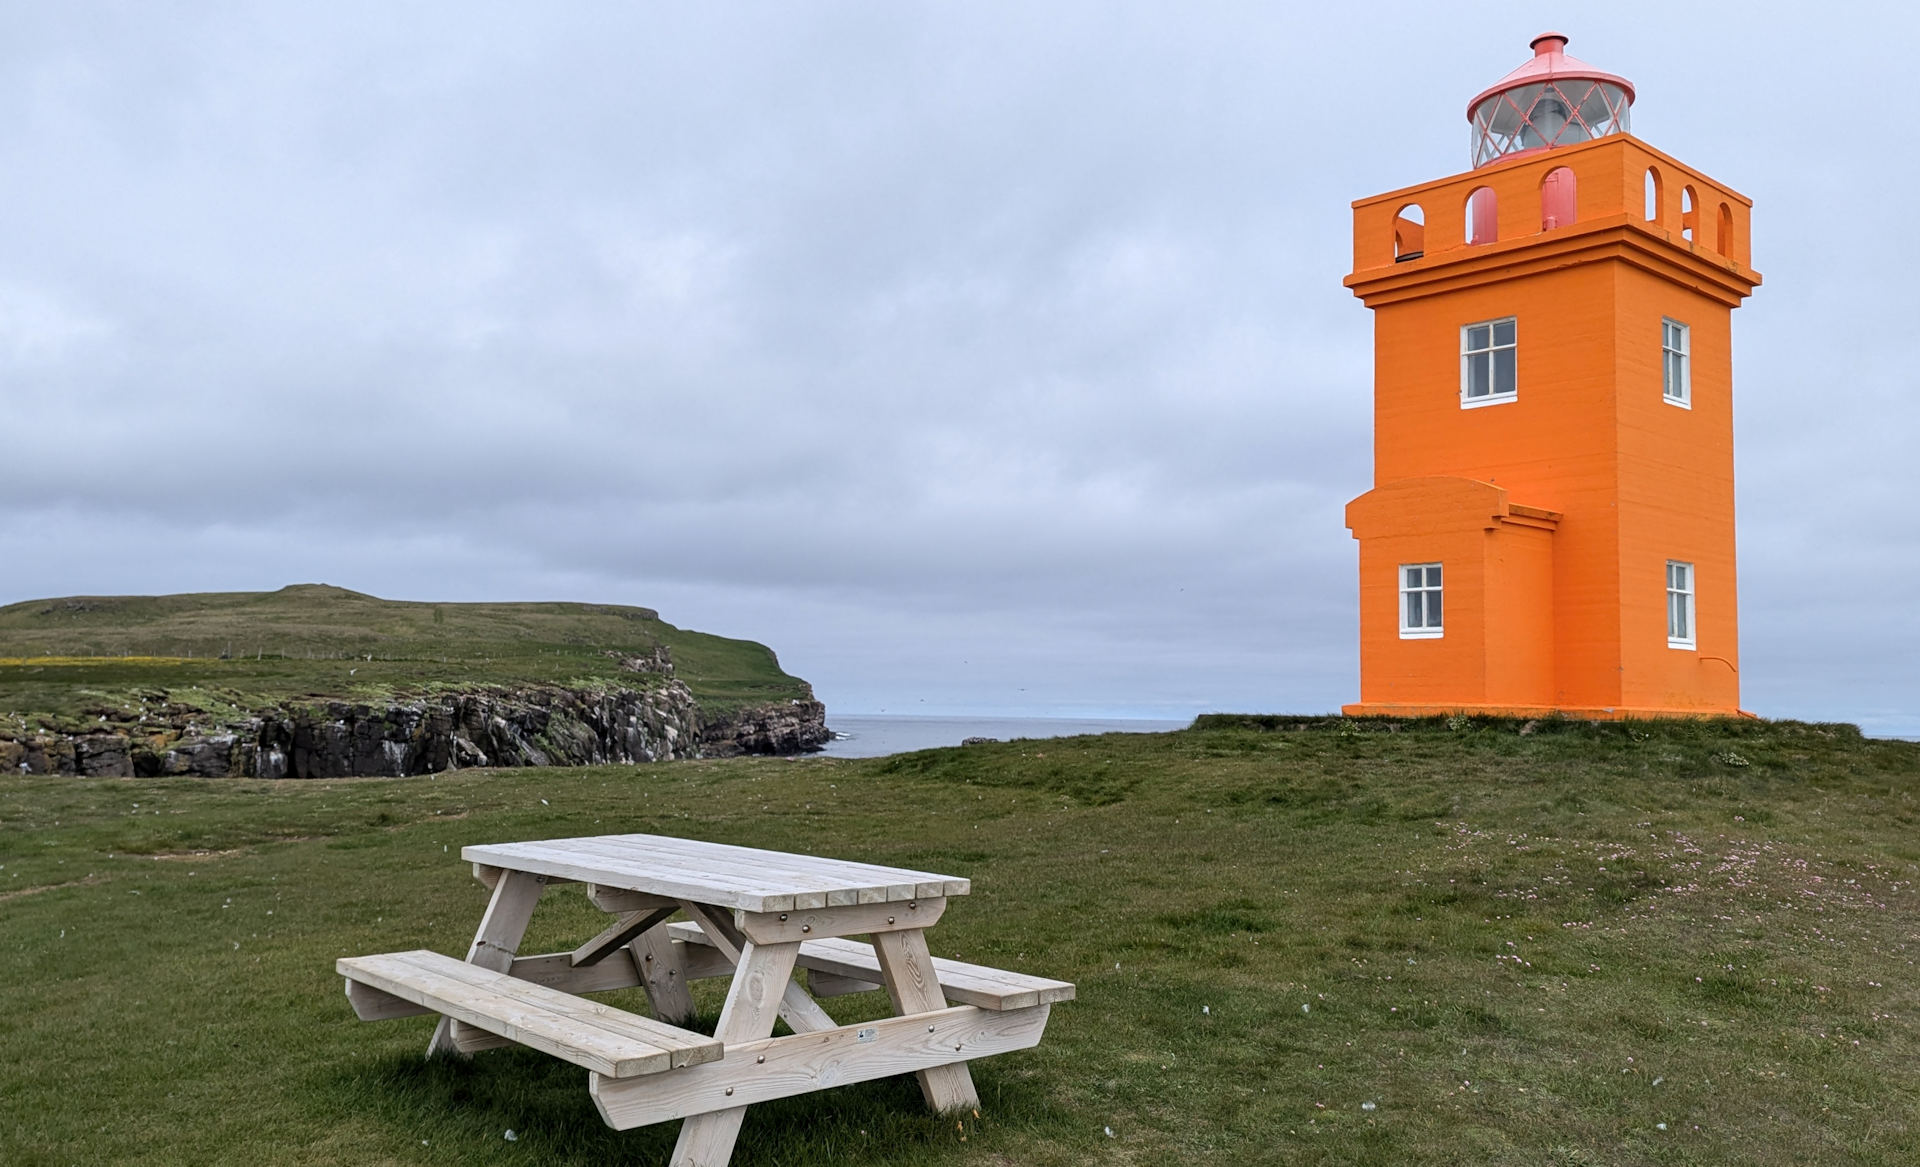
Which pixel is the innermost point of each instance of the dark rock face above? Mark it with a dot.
(103, 756)
(49, 755)
(507, 727)
(792, 727)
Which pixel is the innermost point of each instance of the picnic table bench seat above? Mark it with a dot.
(587, 1033)
(837, 966)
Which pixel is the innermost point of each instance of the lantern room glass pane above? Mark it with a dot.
(1543, 114)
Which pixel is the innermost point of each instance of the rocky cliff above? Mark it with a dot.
(315, 681)
(523, 726)
(791, 727)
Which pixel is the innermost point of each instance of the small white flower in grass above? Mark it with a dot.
(1109, 1131)
(543, 802)
(1659, 1126)
(1306, 1008)
(512, 1138)
(1367, 1106)
(1207, 1009)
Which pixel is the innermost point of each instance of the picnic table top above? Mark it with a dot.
(745, 878)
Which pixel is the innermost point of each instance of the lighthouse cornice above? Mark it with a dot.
(1624, 238)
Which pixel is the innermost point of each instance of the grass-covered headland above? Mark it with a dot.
(1295, 942)
(316, 681)
(64, 663)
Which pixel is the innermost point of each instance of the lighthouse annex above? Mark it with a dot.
(1551, 524)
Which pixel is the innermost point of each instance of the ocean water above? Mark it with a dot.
(873, 735)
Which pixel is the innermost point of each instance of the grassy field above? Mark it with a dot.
(1658, 943)
(64, 662)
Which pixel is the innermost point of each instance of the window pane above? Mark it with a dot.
(1476, 338)
(1672, 377)
(1479, 375)
(1412, 577)
(1433, 576)
(1674, 622)
(1433, 609)
(1683, 576)
(1503, 370)
(1668, 335)
(1413, 609)
(1503, 332)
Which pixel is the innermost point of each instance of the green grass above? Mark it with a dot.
(65, 662)
(1521, 949)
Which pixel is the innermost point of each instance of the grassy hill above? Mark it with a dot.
(59, 658)
(1296, 942)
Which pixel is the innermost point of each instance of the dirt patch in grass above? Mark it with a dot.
(21, 893)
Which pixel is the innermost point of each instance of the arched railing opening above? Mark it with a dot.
(1483, 216)
(1723, 233)
(1409, 233)
(1689, 214)
(1653, 194)
(1559, 199)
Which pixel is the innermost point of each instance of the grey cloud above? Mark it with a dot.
(896, 337)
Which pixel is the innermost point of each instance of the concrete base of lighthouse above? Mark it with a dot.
(1620, 713)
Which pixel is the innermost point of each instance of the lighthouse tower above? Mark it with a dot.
(1551, 520)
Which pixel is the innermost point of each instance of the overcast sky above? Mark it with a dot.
(979, 358)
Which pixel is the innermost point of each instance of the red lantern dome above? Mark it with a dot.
(1552, 100)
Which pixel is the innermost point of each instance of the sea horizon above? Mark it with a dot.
(875, 735)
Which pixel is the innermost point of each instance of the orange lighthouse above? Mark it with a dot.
(1551, 521)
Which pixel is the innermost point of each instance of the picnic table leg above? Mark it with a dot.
(514, 894)
(907, 967)
(760, 979)
(663, 974)
(801, 1012)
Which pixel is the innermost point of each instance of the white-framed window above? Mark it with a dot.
(1420, 607)
(1679, 604)
(1676, 366)
(1489, 363)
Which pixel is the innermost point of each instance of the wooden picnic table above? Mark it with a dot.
(753, 915)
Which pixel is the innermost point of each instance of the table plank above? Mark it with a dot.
(820, 881)
(746, 878)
